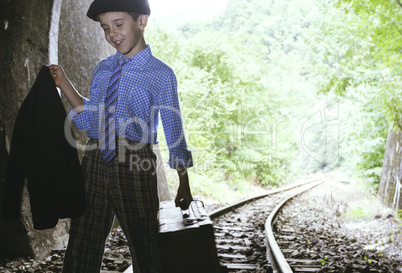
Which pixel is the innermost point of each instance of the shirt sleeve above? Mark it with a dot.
(82, 120)
(171, 117)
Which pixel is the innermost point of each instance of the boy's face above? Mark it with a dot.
(123, 33)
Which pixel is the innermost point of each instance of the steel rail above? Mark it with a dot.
(273, 251)
(223, 210)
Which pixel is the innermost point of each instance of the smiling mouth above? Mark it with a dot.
(118, 43)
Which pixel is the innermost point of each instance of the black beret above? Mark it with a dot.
(101, 6)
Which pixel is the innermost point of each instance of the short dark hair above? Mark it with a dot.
(134, 15)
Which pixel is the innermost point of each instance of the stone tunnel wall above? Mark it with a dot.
(390, 184)
(27, 43)
(24, 48)
(24, 42)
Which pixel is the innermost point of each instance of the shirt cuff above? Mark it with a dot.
(184, 158)
(81, 121)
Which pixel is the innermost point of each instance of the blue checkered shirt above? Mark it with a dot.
(147, 88)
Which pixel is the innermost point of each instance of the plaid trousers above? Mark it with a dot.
(126, 188)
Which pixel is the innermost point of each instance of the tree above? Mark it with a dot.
(358, 58)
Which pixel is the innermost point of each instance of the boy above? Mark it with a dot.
(128, 90)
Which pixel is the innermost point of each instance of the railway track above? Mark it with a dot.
(243, 233)
(303, 241)
(279, 245)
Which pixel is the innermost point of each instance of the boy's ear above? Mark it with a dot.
(143, 21)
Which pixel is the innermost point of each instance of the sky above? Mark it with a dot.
(177, 12)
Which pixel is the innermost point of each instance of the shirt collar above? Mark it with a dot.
(138, 60)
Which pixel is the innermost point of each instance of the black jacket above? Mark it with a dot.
(41, 153)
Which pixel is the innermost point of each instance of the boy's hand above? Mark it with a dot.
(58, 75)
(183, 192)
(68, 89)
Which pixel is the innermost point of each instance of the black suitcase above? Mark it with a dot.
(186, 239)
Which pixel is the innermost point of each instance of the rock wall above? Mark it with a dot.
(24, 48)
(390, 184)
(81, 46)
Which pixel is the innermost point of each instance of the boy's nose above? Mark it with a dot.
(113, 33)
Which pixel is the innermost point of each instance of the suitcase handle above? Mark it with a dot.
(195, 215)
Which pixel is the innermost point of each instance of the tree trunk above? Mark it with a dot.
(390, 184)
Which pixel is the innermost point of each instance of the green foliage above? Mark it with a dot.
(236, 78)
(383, 27)
(358, 56)
(323, 261)
(248, 83)
(357, 213)
(363, 41)
(399, 215)
(369, 143)
(367, 259)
